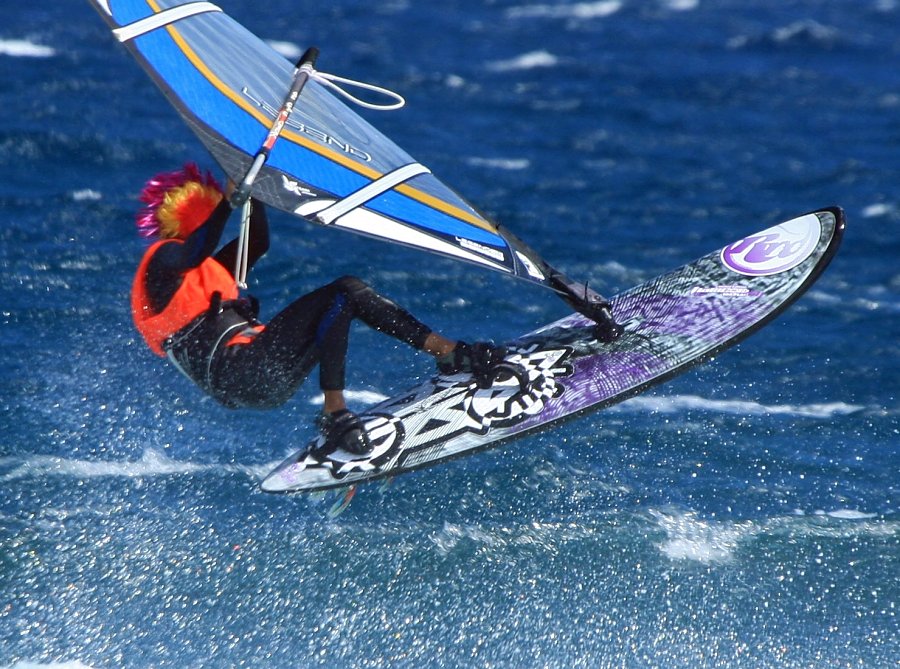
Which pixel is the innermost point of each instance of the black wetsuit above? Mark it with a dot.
(266, 371)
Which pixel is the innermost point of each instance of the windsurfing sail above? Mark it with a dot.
(329, 165)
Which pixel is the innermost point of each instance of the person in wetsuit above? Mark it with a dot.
(186, 305)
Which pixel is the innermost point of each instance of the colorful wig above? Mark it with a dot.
(177, 203)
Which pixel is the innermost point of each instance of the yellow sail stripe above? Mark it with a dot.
(369, 173)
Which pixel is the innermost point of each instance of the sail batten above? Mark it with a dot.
(375, 188)
(162, 19)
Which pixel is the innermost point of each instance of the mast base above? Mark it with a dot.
(606, 328)
(589, 303)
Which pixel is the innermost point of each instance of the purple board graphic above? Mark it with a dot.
(672, 322)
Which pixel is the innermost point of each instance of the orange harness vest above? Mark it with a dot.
(191, 299)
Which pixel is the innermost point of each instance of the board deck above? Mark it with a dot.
(672, 323)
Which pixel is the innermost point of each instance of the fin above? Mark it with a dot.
(341, 505)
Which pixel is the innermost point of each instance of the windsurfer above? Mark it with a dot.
(187, 306)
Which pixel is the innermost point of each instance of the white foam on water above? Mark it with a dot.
(679, 403)
(289, 50)
(806, 28)
(152, 463)
(452, 534)
(454, 81)
(21, 48)
(577, 10)
(526, 61)
(681, 5)
(541, 536)
(847, 514)
(797, 32)
(510, 164)
(878, 209)
(836, 524)
(690, 538)
(25, 664)
(86, 195)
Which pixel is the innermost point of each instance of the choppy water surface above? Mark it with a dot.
(744, 515)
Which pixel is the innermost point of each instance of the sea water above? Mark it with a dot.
(743, 515)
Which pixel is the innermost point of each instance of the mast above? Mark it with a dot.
(578, 295)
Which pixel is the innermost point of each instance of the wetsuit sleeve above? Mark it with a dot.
(259, 239)
(170, 261)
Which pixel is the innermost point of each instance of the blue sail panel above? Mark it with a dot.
(228, 85)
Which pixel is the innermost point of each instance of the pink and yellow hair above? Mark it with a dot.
(177, 203)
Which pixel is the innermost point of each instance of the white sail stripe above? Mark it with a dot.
(370, 223)
(362, 220)
(162, 19)
(360, 197)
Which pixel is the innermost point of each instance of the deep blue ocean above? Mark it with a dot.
(746, 514)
